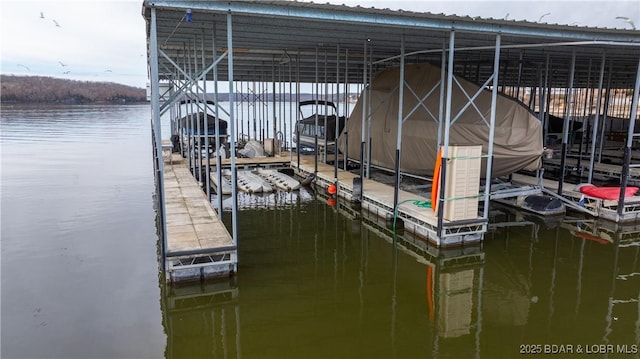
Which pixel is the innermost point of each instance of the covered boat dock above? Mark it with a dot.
(278, 51)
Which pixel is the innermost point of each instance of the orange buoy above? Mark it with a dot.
(331, 201)
(332, 189)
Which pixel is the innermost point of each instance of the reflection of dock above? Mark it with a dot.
(453, 275)
(600, 249)
(202, 320)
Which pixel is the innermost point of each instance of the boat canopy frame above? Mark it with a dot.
(243, 42)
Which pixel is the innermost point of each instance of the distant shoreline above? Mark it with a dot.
(50, 90)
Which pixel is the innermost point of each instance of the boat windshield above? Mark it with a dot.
(309, 108)
(310, 129)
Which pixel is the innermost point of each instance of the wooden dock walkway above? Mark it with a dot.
(378, 199)
(198, 244)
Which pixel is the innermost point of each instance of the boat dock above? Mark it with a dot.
(257, 69)
(276, 162)
(198, 244)
(601, 171)
(377, 198)
(606, 209)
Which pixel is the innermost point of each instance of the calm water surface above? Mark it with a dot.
(80, 272)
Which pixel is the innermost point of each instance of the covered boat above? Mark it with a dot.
(518, 142)
(190, 126)
(327, 116)
(194, 131)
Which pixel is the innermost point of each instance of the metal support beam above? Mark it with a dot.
(492, 126)
(232, 120)
(364, 112)
(326, 109)
(207, 143)
(198, 153)
(442, 93)
(217, 124)
(297, 113)
(345, 155)
(633, 115)
(157, 131)
(596, 121)
(396, 189)
(565, 134)
(445, 145)
(315, 124)
(369, 112)
(337, 129)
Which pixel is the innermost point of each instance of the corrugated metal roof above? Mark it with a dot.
(266, 32)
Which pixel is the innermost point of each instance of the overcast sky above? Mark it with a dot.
(105, 40)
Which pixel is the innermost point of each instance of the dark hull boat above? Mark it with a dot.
(195, 130)
(326, 114)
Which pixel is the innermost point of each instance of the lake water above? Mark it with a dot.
(80, 277)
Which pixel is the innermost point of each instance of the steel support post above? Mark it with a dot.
(492, 126)
(369, 114)
(291, 112)
(364, 107)
(569, 110)
(337, 129)
(275, 105)
(443, 79)
(232, 121)
(206, 122)
(157, 130)
(345, 155)
(297, 113)
(326, 108)
(396, 188)
(542, 116)
(584, 116)
(607, 101)
(633, 115)
(217, 124)
(596, 121)
(197, 114)
(445, 148)
(315, 129)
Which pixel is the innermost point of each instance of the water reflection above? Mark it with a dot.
(79, 266)
(202, 320)
(274, 200)
(320, 280)
(577, 275)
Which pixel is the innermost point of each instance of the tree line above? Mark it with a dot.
(42, 89)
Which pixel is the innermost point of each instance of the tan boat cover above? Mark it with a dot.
(518, 133)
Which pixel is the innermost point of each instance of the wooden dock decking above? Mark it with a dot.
(378, 199)
(198, 244)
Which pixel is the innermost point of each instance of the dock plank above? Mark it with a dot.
(192, 224)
